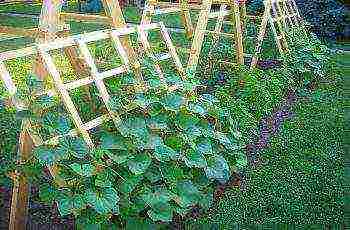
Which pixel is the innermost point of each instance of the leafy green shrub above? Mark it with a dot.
(309, 60)
(162, 158)
(249, 95)
(327, 17)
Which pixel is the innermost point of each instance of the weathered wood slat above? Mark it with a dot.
(177, 5)
(219, 13)
(50, 66)
(86, 18)
(33, 33)
(112, 72)
(19, 53)
(172, 50)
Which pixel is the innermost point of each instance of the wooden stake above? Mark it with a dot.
(238, 34)
(21, 187)
(198, 37)
(186, 18)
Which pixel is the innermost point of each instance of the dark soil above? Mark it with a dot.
(269, 126)
(40, 217)
(269, 64)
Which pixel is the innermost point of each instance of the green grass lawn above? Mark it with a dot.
(301, 173)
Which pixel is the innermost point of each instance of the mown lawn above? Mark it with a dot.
(301, 174)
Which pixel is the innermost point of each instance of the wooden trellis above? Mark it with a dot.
(28, 140)
(230, 9)
(280, 15)
(201, 29)
(51, 26)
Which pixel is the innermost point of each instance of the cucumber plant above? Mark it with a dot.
(163, 158)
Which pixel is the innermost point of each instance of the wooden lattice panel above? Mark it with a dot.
(201, 29)
(96, 77)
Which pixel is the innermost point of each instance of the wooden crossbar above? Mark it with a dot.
(154, 7)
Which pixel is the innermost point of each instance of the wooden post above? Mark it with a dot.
(261, 35)
(112, 9)
(238, 34)
(199, 35)
(48, 27)
(148, 12)
(21, 187)
(186, 18)
(218, 27)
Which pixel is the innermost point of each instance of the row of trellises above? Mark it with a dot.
(199, 1)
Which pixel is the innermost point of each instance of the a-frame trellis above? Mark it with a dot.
(230, 9)
(52, 25)
(234, 12)
(280, 15)
(28, 140)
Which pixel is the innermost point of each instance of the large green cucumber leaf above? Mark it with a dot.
(204, 146)
(119, 157)
(158, 122)
(150, 142)
(197, 108)
(160, 195)
(225, 140)
(104, 201)
(103, 180)
(85, 170)
(49, 156)
(129, 183)
(133, 126)
(194, 158)
(188, 194)
(112, 141)
(175, 142)
(75, 146)
(161, 212)
(139, 164)
(159, 203)
(153, 174)
(69, 204)
(186, 121)
(172, 173)
(217, 168)
(165, 153)
(172, 101)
